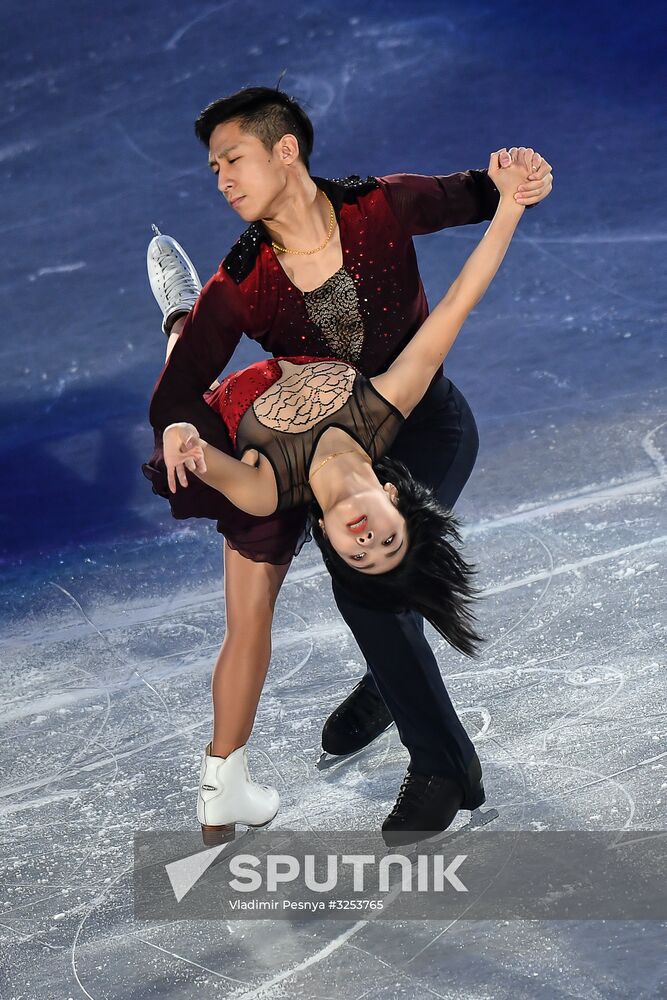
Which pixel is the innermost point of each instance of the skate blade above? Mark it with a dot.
(479, 817)
(328, 760)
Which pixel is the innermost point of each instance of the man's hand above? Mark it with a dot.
(183, 449)
(540, 179)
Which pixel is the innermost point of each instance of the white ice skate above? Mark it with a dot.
(228, 795)
(174, 280)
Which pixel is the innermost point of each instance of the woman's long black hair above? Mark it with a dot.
(432, 578)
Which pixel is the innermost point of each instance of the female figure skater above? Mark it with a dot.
(316, 429)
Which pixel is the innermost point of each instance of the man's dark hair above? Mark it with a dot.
(431, 579)
(264, 112)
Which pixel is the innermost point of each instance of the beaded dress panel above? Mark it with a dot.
(334, 308)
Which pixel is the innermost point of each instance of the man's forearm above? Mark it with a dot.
(176, 328)
(207, 340)
(428, 203)
(178, 396)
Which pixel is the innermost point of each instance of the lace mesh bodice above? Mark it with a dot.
(286, 422)
(304, 395)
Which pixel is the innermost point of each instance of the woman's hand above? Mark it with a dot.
(507, 179)
(540, 175)
(183, 449)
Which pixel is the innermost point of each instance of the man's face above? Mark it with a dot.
(249, 177)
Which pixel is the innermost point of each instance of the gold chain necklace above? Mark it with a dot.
(332, 223)
(349, 451)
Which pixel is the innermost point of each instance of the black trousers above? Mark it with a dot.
(439, 444)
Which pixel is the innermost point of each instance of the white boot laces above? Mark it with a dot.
(177, 280)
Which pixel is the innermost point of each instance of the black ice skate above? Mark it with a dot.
(357, 721)
(427, 804)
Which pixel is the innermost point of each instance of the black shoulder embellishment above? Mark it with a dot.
(354, 185)
(240, 260)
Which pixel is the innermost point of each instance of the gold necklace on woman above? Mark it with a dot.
(332, 223)
(335, 455)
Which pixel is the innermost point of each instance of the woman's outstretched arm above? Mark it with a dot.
(406, 381)
(247, 487)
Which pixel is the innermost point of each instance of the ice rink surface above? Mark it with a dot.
(113, 612)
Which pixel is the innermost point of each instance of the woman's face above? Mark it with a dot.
(367, 531)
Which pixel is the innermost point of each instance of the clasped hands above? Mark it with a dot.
(529, 167)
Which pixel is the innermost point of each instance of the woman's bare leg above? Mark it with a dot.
(251, 590)
(177, 326)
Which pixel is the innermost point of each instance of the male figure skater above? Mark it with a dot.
(325, 268)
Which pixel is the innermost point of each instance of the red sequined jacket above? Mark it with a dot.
(251, 293)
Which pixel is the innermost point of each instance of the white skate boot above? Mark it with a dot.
(174, 281)
(228, 795)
